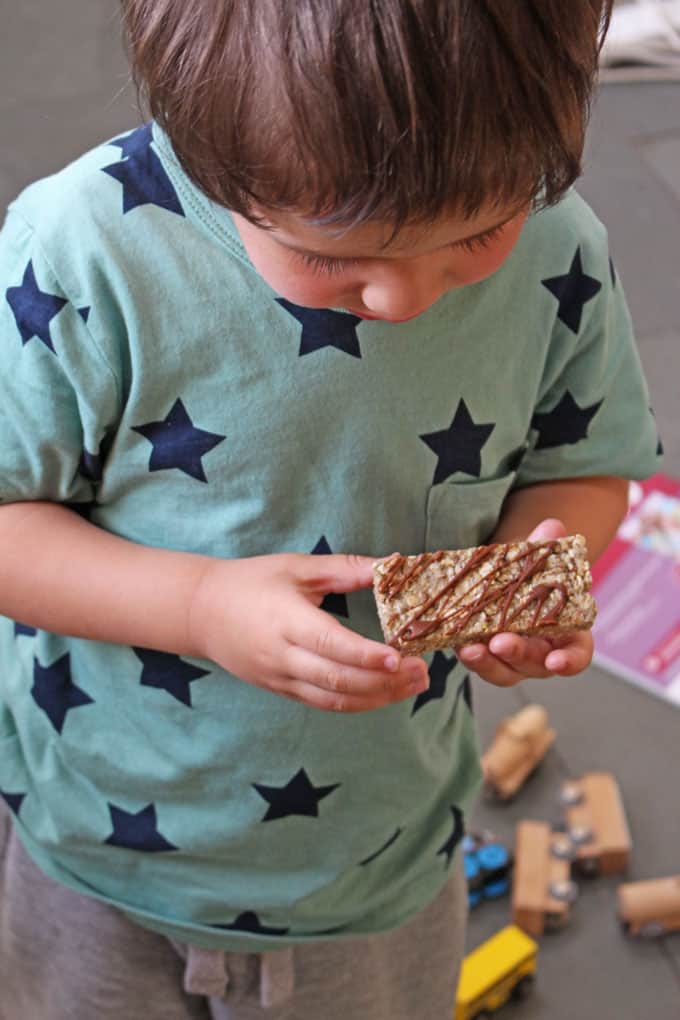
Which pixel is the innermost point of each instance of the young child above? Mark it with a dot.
(337, 299)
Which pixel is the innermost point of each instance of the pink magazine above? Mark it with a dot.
(636, 583)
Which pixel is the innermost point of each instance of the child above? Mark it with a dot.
(337, 300)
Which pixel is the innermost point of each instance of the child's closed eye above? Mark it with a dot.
(326, 265)
(474, 244)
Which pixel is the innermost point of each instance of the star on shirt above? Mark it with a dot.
(454, 839)
(177, 443)
(92, 464)
(567, 423)
(439, 670)
(572, 291)
(169, 673)
(12, 800)
(137, 831)
(23, 628)
(459, 446)
(133, 141)
(142, 175)
(334, 602)
(381, 850)
(322, 327)
(298, 797)
(249, 921)
(34, 309)
(466, 687)
(54, 691)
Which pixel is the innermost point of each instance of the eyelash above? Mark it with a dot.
(325, 265)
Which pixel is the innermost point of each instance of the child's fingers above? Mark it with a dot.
(551, 527)
(488, 666)
(336, 573)
(525, 655)
(572, 656)
(318, 632)
(346, 688)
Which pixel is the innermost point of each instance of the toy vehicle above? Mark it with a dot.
(501, 968)
(520, 743)
(542, 890)
(595, 821)
(651, 907)
(487, 864)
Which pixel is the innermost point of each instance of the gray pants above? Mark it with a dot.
(64, 956)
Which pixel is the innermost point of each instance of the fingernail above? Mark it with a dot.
(420, 680)
(392, 663)
(473, 656)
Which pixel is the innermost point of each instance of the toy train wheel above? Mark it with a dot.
(565, 891)
(523, 987)
(589, 867)
(570, 795)
(554, 921)
(493, 856)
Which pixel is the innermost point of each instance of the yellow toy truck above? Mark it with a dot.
(501, 968)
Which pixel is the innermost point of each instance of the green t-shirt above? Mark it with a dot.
(153, 381)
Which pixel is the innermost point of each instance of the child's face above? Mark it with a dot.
(313, 267)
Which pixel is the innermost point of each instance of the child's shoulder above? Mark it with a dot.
(78, 206)
(570, 223)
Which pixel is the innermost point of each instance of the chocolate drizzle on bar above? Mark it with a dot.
(453, 609)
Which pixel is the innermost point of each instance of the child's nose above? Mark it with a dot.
(397, 291)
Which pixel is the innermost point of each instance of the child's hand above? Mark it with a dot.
(509, 658)
(259, 618)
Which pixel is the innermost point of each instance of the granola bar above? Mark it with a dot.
(450, 598)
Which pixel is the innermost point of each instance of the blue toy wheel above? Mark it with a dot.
(493, 856)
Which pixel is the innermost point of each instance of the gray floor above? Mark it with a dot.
(63, 87)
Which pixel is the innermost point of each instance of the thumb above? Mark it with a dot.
(551, 527)
(340, 572)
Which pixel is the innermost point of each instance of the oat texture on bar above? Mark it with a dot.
(450, 598)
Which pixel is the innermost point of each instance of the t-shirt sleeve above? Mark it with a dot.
(59, 397)
(592, 414)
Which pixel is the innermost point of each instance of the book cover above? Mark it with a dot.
(636, 583)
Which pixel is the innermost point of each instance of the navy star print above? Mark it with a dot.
(168, 673)
(249, 921)
(12, 800)
(298, 797)
(141, 174)
(23, 628)
(177, 443)
(137, 831)
(91, 464)
(572, 291)
(381, 850)
(322, 327)
(439, 670)
(54, 691)
(566, 423)
(334, 602)
(456, 835)
(459, 447)
(34, 309)
(466, 687)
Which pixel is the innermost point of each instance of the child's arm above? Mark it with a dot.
(258, 618)
(594, 507)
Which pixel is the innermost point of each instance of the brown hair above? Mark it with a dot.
(353, 110)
